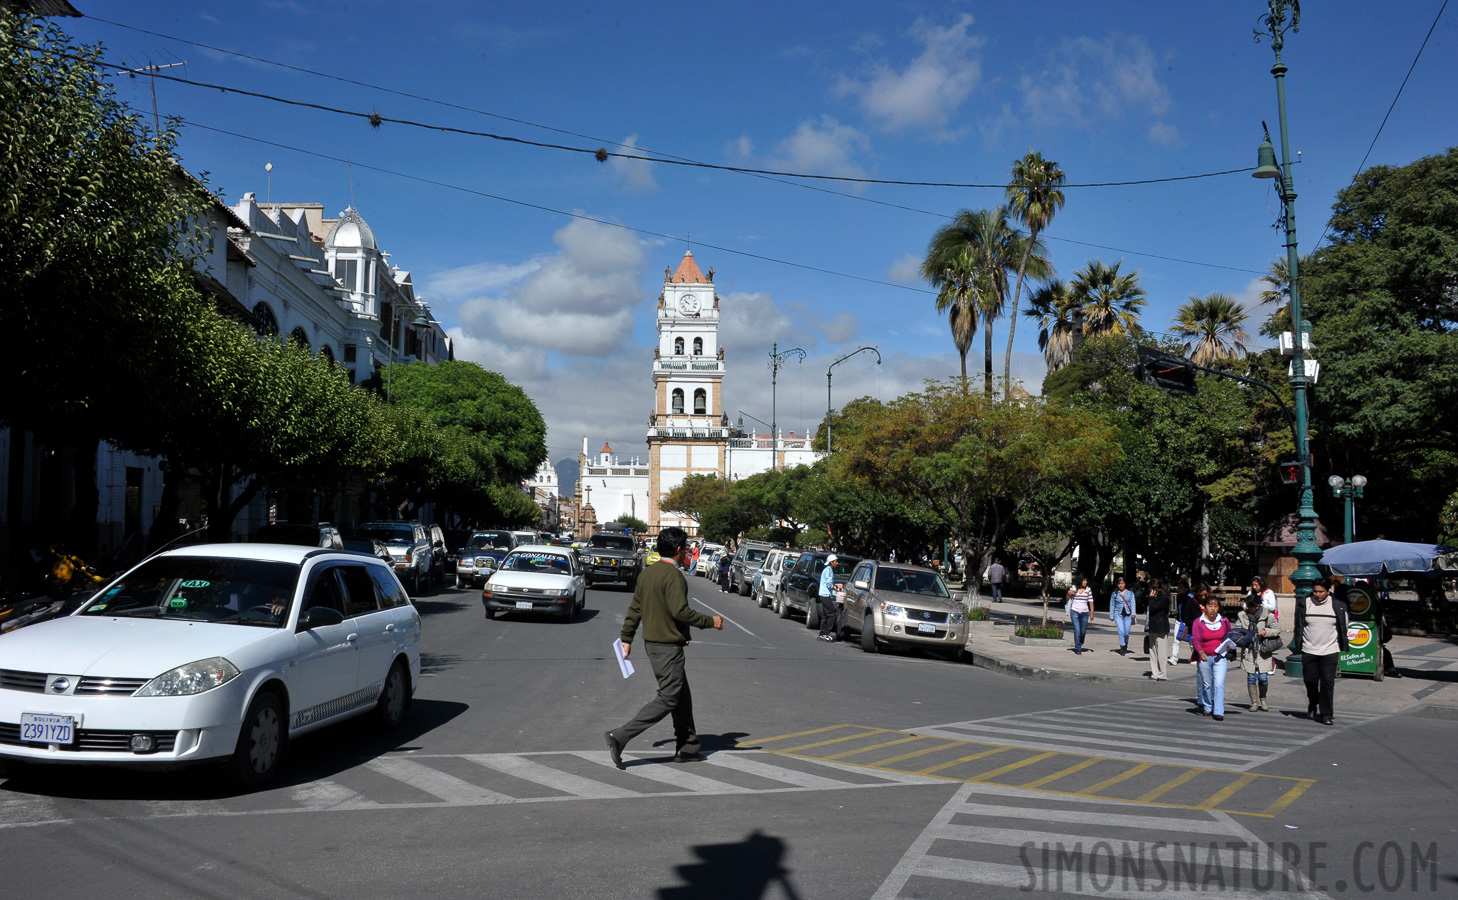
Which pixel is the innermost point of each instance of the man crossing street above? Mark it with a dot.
(660, 603)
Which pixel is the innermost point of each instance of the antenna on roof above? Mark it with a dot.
(268, 197)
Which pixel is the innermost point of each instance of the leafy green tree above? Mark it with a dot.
(638, 525)
(858, 518)
(970, 464)
(776, 492)
(695, 494)
(1212, 328)
(1034, 195)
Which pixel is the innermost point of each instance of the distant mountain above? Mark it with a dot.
(567, 473)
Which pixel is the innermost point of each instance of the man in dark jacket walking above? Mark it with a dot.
(660, 603)
(1321, 638)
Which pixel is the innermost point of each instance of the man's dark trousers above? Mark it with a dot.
(829, 616)
(1319, 673)
(673, 698)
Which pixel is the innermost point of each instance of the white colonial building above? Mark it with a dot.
(614, 487)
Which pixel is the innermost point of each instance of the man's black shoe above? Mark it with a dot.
(688, 757)
(615, 750)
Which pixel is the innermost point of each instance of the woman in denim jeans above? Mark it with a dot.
(1209, 632)
(1080, 607)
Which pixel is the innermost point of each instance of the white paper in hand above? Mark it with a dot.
(623, 662)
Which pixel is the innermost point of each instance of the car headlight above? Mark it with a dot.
(193, 678)
(566, 592)
(891, 609)
(956, 618)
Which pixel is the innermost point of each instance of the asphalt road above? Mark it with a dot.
(831, 773)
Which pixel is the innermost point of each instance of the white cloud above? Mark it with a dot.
(751, 323)
(477, 279)
(905, 269)
(635, 176)
(1088, 83)
(741, 148)
(926, 91)
(822, 147)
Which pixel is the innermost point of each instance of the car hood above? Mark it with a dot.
(495, 554)
(541, 581)
(920, 601)
(120, 648)
(609, 552)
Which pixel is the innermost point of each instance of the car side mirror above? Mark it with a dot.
(959, 596)
(863, 584)
(319, 617)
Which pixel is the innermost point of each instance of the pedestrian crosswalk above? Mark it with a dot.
(406, 781)
(1154, 729)
(991, 840)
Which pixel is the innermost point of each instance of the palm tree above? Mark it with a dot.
(1034, 196)
(1212, 328)
(1056, 311)
(957, 295)
(992, 246)
(1110, 299)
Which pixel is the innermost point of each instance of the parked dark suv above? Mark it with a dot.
(747, 560)
(800, 589)
(409, 543)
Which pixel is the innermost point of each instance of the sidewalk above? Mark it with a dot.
(1429, 666)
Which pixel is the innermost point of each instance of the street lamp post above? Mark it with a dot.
(1284, 16)
(777, 359)
(827, 388)
(421, 321)
(1346, 490)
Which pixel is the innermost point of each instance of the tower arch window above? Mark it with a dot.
(267, 323)
(678, 400)
(299, 336)
(678, 346)
(701, 402)
(698, 346)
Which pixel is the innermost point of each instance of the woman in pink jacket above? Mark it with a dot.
(1206, 636)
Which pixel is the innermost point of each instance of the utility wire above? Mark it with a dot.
(602, 154)
(561, 212)
(1390, 108)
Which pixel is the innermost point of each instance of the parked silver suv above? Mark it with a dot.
(746, 562)
(409, 545)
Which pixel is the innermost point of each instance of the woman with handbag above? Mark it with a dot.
(1257, 657)
(1122, 612)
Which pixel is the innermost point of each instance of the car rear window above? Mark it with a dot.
(390, 534)
(755, 555)
(612, 542)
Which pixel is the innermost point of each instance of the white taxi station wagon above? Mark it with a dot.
(213, 653)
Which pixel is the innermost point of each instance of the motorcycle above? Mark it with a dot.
(67, 583)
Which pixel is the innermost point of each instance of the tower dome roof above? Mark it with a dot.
(350, 232)
(688, 271)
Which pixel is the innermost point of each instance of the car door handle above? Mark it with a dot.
(351, 638)
(390, 627)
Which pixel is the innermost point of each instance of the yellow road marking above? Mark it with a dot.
(905, 740)
(836, 740)
(1078, 767)
(962, 760)
(1093, 789)
(1227, 792)
(883, 763)
(987, 776)
(1288, 798)
(1187, 775)
(784, 737)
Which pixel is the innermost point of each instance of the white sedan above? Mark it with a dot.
(218, 652)
(537, 578)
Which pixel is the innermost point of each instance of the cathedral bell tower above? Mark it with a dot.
(688, 431)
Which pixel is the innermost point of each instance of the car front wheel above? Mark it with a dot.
(782, 608)
(395, 696)
(812, 613)
(868, 634)
(259, 753)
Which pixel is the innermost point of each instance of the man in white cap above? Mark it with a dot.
(829, 613)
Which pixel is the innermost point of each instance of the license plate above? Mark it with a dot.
(44, 728)
(927, 629)
(523, 604)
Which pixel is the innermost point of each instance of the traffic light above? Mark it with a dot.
(1290, 472)
(1170, 373)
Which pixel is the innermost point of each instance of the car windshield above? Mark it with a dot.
(612, 542)
(491, 540)
(202, 588)
(755, 555)
(390, 534)
(910, 581)
(545, 563)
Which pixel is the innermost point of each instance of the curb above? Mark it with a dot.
(1118, 682)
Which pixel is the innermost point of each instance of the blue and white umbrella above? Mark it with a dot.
(1388, 557)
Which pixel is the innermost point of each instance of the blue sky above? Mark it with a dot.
(949, 92)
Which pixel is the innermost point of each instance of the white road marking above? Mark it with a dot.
(325, 795)
(773, 773)
(435, 782)
(727, 619)
(546, 776)
(669, 773)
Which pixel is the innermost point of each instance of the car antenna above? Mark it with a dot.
(164, 547)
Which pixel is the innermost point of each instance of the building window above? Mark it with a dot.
(678, 400)
(327, 354)
(351, 354)
(346, 272)
(299, 336)
(267, 323)
(698, 346)
(678, 346)
(701, 400)
(387, 320)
